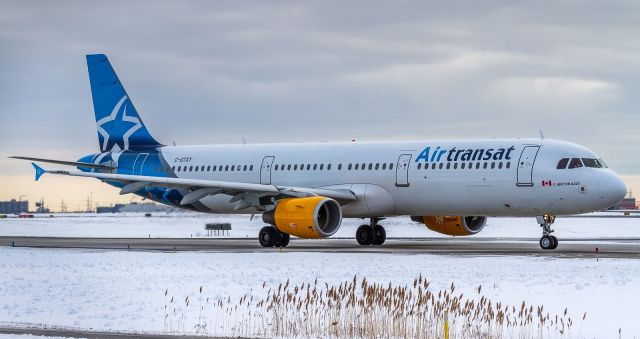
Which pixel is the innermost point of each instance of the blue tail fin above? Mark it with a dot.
(119, 124)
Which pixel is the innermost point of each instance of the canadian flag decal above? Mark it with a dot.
(546, 183)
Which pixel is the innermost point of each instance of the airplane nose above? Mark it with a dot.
(612, 188)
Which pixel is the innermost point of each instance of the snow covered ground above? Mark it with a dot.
(185, 225)
(120, 290)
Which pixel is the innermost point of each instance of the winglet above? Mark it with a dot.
(39, 170)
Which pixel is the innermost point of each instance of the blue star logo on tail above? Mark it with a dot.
(116, 128)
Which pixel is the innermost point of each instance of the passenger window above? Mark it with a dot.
(433, 166)
(295, 167)
(321, 166)
(462, 165)
(244, 168)
(289, 167)
(500, 165)
(173, 168)
(470, 165)
(233, 167)
(384, 166)
(251, 168)
(477, 165)
(594, 163)
(508, 165)
(455, 165)
(364, 166)
(349, 167)
(441, 165)
(190, 168)
(562, 164)
(329, 167)
(419, 165)
(448, 165)
(377, 166)
(391, 166)
(575, 163)
(202, 168)
(339, 167)
(493, 165)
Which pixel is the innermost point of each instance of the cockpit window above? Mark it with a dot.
(603, 163)
(562, 164)
(594, 163)
(575, 163)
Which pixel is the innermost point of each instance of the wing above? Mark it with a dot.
(243, 194)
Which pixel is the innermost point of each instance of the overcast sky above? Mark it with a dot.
(215, 71)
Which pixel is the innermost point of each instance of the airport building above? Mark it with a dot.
(133, 207)
(14, 207)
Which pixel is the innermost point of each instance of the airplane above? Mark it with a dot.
(306, 189)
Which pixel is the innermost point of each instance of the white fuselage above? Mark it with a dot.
(502, 177)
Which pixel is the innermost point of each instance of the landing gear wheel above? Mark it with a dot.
(555, 242)
(364, 236)
(268, 236)
(379, 235)
(547, 242)
(284, 240)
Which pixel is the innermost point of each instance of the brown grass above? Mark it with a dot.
(359, 308)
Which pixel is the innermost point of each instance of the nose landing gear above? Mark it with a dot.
(548, 241)
(372, 234)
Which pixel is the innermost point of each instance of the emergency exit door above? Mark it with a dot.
(402, 170)
(265, 170)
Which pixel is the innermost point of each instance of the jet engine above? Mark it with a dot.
(452, 225)
(310, 218)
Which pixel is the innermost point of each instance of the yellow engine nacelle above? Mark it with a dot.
(310, 218)
(452, 225)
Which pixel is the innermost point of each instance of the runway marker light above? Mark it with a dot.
(446, 324)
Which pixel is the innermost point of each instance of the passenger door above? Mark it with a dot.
(139, 163)
(525, 165)
(402, 170)
(265, 170)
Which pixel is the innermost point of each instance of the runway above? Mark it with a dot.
(609, 247)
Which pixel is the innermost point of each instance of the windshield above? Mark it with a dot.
(595, 163)
(575, 163)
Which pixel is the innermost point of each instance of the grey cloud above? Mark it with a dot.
(211, 72)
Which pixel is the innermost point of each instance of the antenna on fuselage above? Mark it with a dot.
(541, 134)
(244, 141)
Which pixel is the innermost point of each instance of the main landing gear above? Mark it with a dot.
(548, 241)
(372, 234)
(269, 236)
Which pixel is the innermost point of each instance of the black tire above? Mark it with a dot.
(555, 242)
(546, 242)
(268, 236)
(284, 240)
(364, 235)
(379, 235)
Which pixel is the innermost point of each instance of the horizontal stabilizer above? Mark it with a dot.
(68, 163)
(39, 170)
